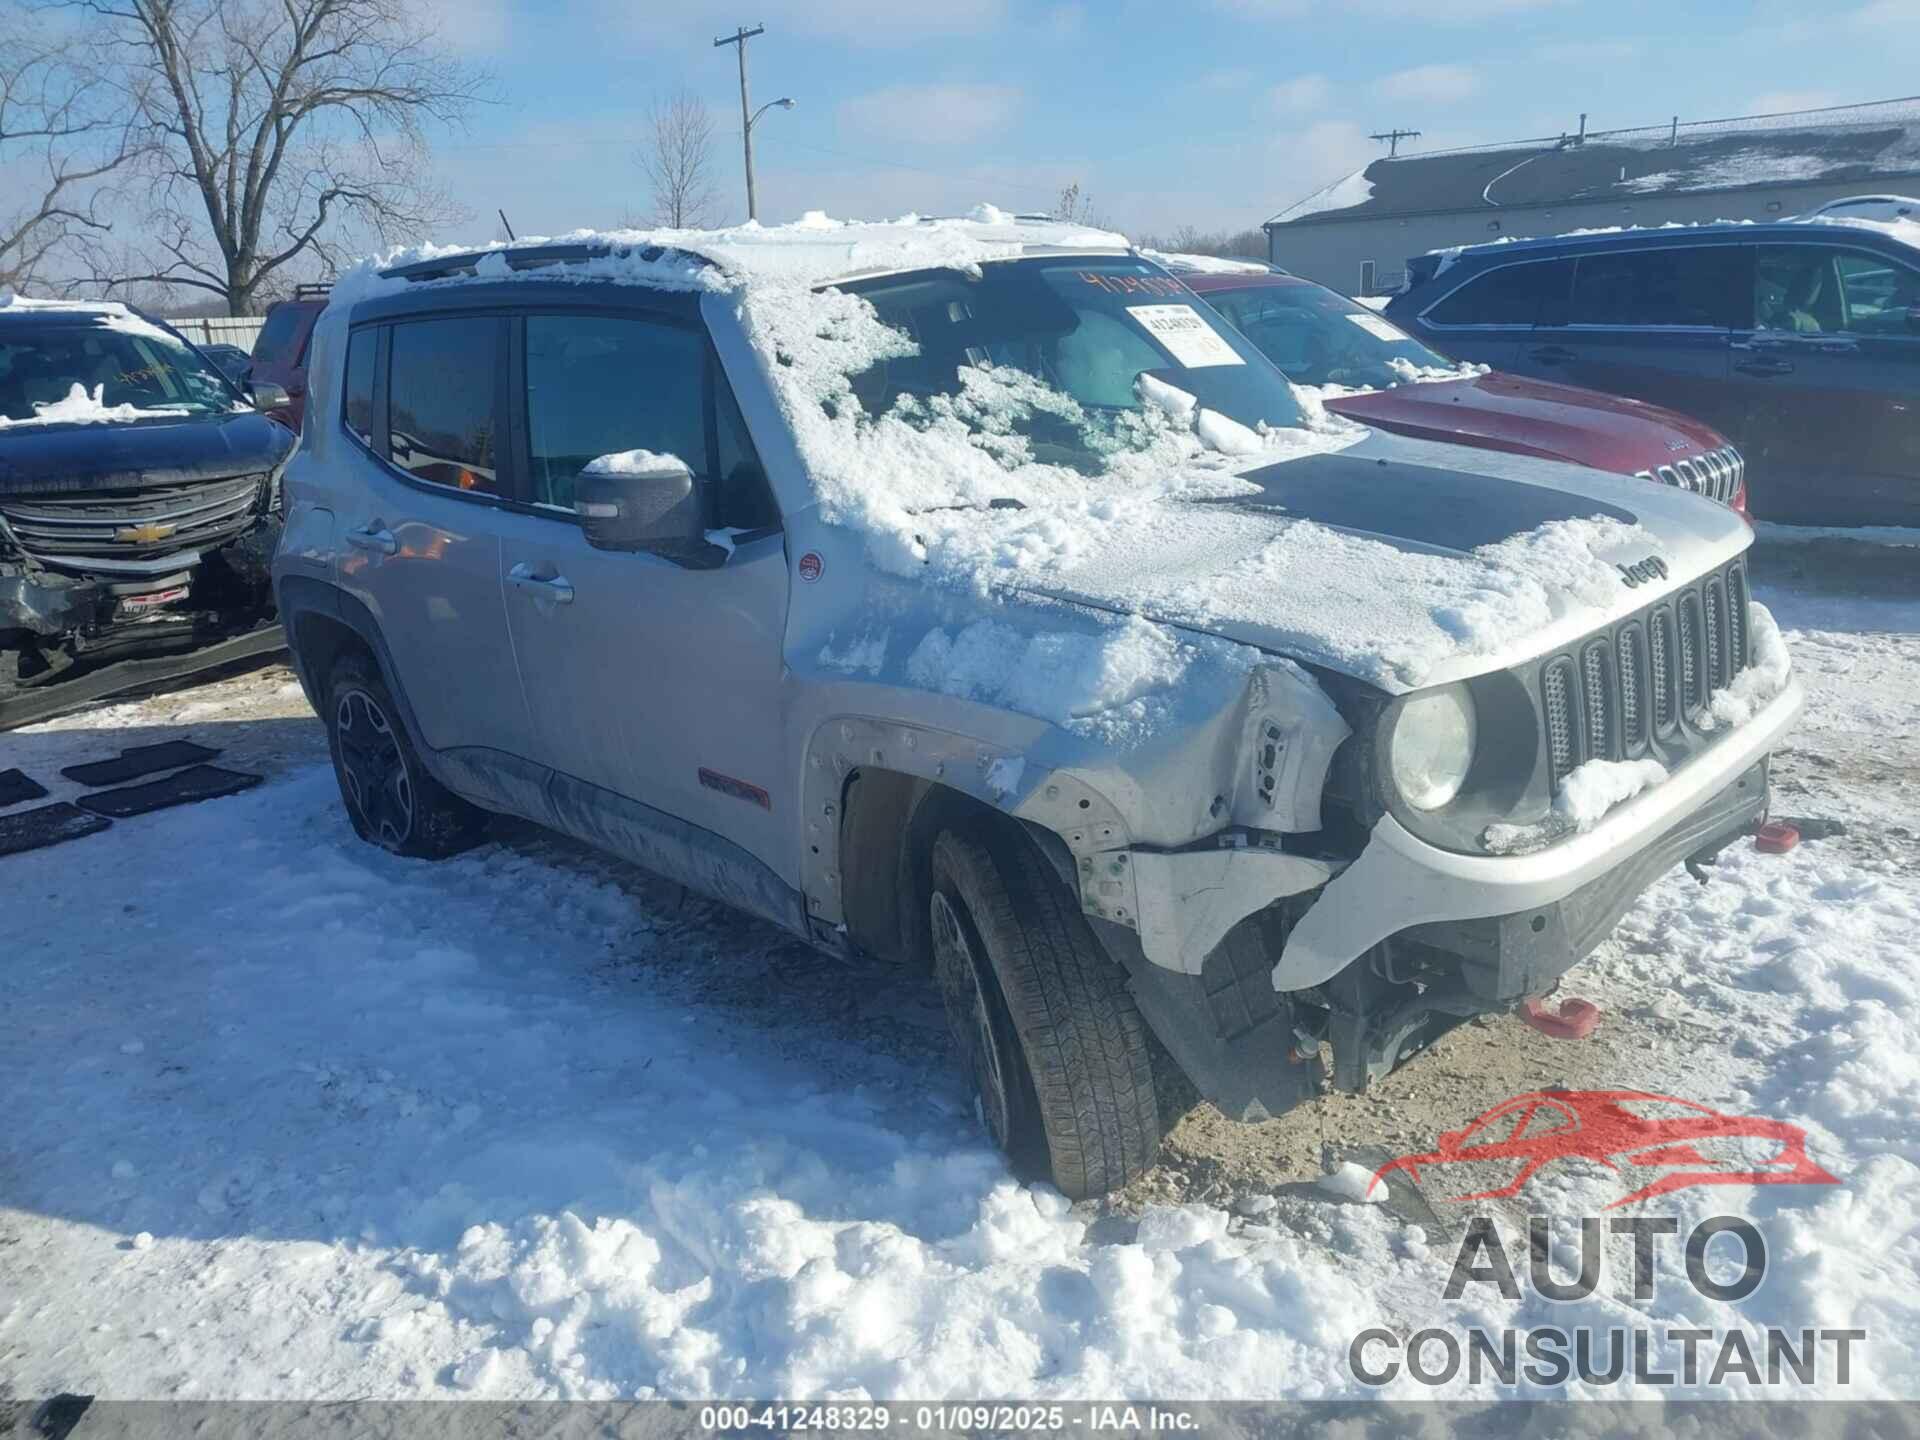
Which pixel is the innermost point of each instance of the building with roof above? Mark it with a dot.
(1357, 234)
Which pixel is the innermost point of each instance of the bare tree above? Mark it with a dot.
(60, 134)
(277, 134)
(1075, 207)
(678, 161)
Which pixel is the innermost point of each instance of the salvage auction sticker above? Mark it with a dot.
(1188, 338)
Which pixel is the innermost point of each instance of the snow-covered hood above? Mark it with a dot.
(1406, 563)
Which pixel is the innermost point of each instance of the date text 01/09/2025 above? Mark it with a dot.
(947, 1417)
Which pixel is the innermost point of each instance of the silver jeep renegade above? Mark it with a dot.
(1277, 772)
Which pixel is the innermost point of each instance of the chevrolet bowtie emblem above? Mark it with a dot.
(144, 534)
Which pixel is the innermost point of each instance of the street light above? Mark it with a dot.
(739, 40)
(783, 103)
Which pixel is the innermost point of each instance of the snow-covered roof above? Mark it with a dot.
(813, 250)
(1849, 142)
(110, 313)
(1184, 264)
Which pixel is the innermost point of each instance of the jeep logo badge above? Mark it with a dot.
(1641, 571)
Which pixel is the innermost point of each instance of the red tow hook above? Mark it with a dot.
(1574, 1020)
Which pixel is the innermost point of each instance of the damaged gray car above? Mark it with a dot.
(138, 505)
(967, 594)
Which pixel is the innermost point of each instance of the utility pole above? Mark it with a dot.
(1393, 139)
(740, 37)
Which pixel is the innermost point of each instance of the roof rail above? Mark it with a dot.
(313, 292)
(535, 257)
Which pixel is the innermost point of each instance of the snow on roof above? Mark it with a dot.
(1342, 194)
(1907, 232)
(110, 312)
(1842, 143)
(813, 250)
(1183, 264)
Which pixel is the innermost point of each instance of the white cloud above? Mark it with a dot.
(867, 24)
(1303, 92)
(1227, 77)
(468, 27)
(1457, 11)
(1588, 52)
(1775, 102)
(1445, 12)
(929, 114)
(1437, 84)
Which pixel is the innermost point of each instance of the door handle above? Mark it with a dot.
(1553, 355)
(374, 537)
(556, 588)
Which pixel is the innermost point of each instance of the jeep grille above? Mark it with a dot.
(1717, 474)
(1637, 688)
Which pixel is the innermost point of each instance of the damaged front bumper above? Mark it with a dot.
(1400, 881)
(1405, 941)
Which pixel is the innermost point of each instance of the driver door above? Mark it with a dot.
(650, 679)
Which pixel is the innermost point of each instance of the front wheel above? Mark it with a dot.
(1060, 1059)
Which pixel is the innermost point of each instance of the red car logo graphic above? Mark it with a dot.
(1616, 1127)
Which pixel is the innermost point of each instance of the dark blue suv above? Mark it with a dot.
(1798, 340)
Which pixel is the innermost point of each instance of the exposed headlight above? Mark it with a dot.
(1433, 746)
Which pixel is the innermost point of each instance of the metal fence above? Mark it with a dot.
(220, 329)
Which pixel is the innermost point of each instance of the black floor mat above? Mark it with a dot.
(49, 825)
(17, 785)
(199, 782)
(140, 760)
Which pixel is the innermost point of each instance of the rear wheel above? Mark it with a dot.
(1060, 1060)
(391, 799)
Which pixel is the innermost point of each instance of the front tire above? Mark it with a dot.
(1060, 1059)
(389, 796)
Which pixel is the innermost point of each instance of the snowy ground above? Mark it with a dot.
(289, 1117)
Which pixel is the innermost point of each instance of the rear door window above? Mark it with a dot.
(1687, 286)
(443, 381)
(358, 409)
(1534, 293)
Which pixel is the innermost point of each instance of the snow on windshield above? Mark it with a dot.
(917, 466)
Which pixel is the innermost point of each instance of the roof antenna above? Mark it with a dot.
(503, 220)
(1581, 138)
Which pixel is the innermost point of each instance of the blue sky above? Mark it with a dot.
(1217, 113)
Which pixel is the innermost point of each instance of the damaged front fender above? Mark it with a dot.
(1255, 773)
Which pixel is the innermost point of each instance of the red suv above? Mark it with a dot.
(280, 349)
(1369, 370)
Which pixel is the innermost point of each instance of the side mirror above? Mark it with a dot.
(269, 397)
(640, 501)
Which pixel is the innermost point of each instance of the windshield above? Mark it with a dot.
(1087, 329)
(1321, 338)
(112, 363)
(279, 334)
